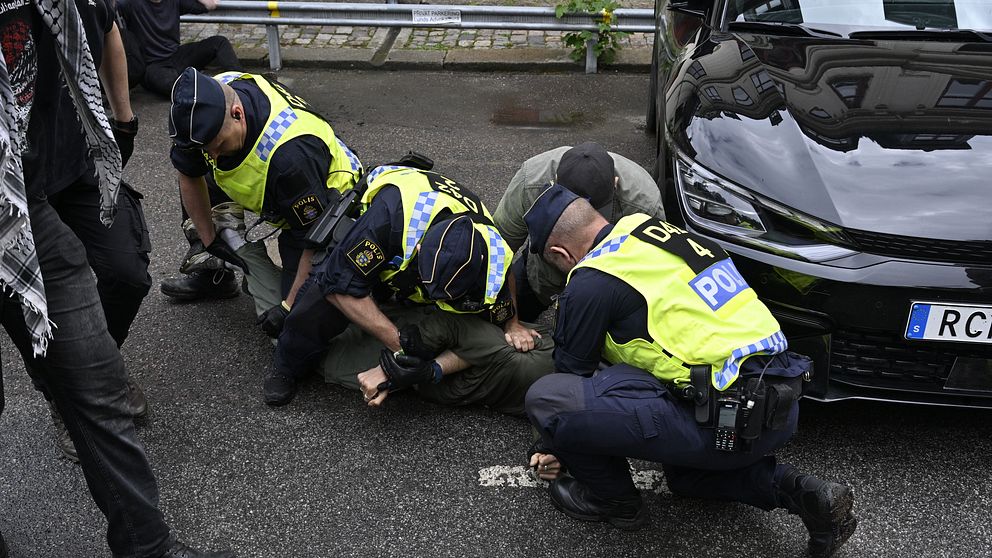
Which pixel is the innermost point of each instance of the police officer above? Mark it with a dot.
(654, 302)
(613, 184)
(272, 154)
(423, 238)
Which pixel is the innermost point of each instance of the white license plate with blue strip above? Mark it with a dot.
(968, 323)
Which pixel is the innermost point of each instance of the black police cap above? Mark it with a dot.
(544, 213)
(452, 259)
(198, 110)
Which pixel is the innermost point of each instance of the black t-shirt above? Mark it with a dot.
(18, 31)
(296, 182)
(593, 304)
(59, 155)
(156, 24)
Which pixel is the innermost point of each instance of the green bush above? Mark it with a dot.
(607, 40)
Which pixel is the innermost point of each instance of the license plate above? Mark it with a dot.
(968, 323)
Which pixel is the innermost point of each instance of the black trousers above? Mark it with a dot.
(215, 52)
(118, 255)
(84, 373)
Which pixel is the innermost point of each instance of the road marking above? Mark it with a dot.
(518, 476)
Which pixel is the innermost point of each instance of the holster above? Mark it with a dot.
(768, 386)
(343, 209)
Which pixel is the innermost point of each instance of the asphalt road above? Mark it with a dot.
(326, 476)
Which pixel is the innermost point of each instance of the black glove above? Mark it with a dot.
(124, 134)
(272, 320)
(405, 370)
(224, 251)
(413, 344)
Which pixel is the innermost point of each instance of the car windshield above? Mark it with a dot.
(853, 15)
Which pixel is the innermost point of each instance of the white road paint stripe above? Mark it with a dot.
(519, 476)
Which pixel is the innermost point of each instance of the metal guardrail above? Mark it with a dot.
(273, 14)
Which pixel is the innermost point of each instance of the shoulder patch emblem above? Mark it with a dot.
(501, 311)
(367, 256)
(307, 209)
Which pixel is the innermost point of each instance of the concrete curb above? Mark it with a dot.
(636, 60)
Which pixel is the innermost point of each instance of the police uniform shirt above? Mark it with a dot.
(593, 304)
(295, 189)
(376, 239)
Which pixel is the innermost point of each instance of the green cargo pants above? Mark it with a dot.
(498, 376)
(264, 277)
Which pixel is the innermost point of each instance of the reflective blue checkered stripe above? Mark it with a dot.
(374, 173)
(771, 345)
(356, 165)
(497, 262)
(274, 131)
(421, 218)
(228, 77)
(610, 246)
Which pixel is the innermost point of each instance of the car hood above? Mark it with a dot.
(886, 136)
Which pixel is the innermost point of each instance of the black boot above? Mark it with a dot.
(62, 436)
(279, 389)
(137, 405)
(3, 547)
(578, 502)
(825, 508)
(201, 284)
(180, 550)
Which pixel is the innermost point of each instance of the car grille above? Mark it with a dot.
(911, 247)
(888, 362)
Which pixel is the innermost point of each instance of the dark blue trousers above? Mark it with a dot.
(594, 424)
(308, 331)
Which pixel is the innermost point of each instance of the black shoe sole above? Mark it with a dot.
(185, 296)
(620, 523)
(278, 400)
(842, 517)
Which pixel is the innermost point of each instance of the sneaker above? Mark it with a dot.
(136, 403)
(201, 284)
(826, 509)
(279, 389)
(180, 550)
(62, 439)
(578, 502)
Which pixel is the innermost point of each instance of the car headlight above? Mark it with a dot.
(725, 209)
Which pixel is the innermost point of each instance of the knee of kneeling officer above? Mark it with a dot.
(552, 395)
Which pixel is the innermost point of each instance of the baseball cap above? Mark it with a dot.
(588, 170)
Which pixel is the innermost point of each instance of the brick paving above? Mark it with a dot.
(248, 36)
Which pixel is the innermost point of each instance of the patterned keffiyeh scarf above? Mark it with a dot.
(19, 269)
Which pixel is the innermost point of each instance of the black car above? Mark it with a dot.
(841, 151)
